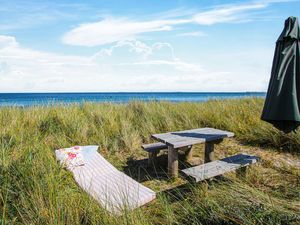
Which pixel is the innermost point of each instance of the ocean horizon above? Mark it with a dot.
(33, 99)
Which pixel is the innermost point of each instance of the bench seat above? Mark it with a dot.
(154, 147)
(153, 150)
(219, 167)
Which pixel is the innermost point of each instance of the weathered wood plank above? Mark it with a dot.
(190, 137)
(219, 167)
(153, 147)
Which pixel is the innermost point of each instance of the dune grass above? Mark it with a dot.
(34, 189)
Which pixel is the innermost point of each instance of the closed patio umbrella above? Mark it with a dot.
(282, 102)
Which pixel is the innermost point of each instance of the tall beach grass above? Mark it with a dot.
(34, 189)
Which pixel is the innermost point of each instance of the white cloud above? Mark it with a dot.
(176, 63)
(7, 41)
(4, 69)
(23, 69)
(158, 69)
(193, 34)
(110, 30)
(126, 66)
(129, 66)
(136, 55)
(227, 13)
(132, 46)
(132, 52)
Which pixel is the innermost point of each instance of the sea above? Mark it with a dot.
(32, 99)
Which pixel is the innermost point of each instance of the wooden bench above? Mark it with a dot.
(153, 149)
(215, 168)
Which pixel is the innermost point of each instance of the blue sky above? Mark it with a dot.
(171, 45)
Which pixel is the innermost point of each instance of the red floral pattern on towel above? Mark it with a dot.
(70, 157)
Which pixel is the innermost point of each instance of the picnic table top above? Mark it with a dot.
(185, 138)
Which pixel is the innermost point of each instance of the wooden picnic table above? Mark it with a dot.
(186, 139)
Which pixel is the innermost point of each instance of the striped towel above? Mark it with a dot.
(113, 189)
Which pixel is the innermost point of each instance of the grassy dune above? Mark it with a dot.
(35, 190)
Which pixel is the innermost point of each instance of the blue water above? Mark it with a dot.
(29, 99)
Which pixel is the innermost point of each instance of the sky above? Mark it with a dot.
(133, 46)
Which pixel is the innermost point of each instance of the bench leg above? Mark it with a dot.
(173, 162)
(209, 152)
(152, 158)
(241, 173)
(188, 153)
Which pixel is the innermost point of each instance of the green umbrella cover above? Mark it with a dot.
(282, 102)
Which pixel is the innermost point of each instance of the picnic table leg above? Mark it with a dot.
(188, 153)
(209, 152)
(172, 162)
